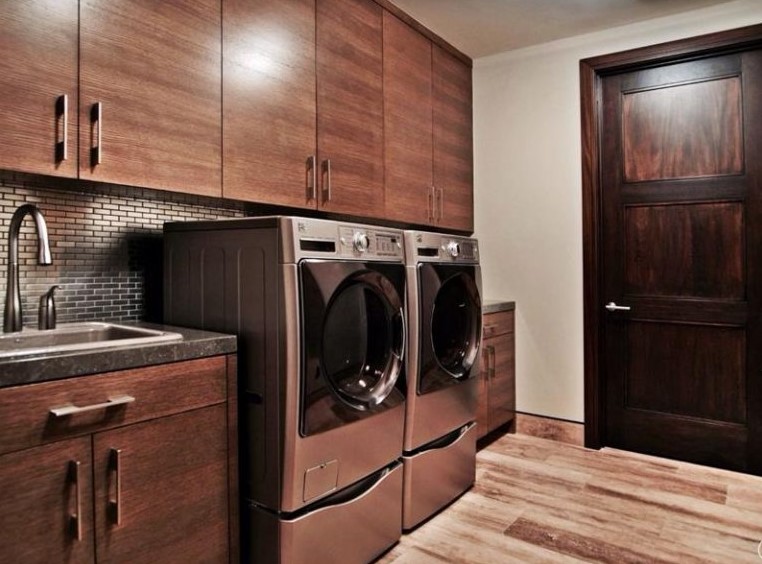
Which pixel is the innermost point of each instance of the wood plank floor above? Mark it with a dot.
(537, 500)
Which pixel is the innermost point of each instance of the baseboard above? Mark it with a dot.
(549, 428)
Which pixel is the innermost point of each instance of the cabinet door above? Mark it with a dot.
(453, 141)
(269, 120)
(502, 386)
(163, 497)
(350, 106)
(407, 123)
(44, 492)
(38, 66)
(154, 68)
(482, 407)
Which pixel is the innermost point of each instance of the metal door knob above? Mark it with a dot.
(611, 306)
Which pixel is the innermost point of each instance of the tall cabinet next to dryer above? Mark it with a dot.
(445, 314)
(318, 307)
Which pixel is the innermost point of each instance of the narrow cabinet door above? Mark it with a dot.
(46, 495)
(502, 386)
(38, 86)
(350, 106)
(161, 489)
(407, 123)
(453, 142)
(269, 120)
(150, 78)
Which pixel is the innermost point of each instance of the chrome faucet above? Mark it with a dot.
(13, 318)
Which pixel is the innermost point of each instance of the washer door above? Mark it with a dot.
(353, 325)
(452, 322)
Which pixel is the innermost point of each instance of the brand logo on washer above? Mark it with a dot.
(301, 227)
(419, 239)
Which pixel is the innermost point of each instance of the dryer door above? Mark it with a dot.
(353, 328)
(451, 324)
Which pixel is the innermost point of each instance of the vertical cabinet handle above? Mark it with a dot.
(62, 117)
(75, 519)
(96, 120)
(440, 207)
(327, 184)
(115, 505)
(492, 362)
(431, 205)
(311, 180)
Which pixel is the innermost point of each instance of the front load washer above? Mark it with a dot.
(445, 314)
(319, 309)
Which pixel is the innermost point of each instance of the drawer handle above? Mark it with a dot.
(71, 409)
(76, 518)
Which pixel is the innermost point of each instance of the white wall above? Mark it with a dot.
(528, 193)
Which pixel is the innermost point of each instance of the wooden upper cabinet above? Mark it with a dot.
(350, 107)
(453, 141)
(150, 94)
(408, 152)
(38, 67)
(269, 115)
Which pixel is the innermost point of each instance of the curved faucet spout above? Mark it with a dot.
(13, 318)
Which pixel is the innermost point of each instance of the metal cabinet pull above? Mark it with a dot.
(431, 205)
(611, 306)
(440, 207)
(76, 518)
(493, 362)
(115, 505)
(71, 409)
(62, 116)
(96, 119)
(311, 180)
(327, 185)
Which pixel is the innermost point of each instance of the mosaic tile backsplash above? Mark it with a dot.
(106, 247)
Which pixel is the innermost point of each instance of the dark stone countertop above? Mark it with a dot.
(44, 367)
(494, 306)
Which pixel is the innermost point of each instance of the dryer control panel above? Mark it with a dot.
(424, 246)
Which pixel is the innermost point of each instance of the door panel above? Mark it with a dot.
(680, 185)
(350, 106)
(269, 101)
(155, 68)
(688, 250)
(38, 65)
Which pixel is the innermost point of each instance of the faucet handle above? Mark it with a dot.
(47, 313)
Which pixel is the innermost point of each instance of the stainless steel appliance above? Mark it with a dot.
(319, 310)
(445, 314)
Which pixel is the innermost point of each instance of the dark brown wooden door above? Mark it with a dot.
(170, 480)
(350, 106)
(42, 490)
(155, 69)
(682, 249)
(502, 385)
(453, 142)
(38, 68)
(407, 123)
(269, 119)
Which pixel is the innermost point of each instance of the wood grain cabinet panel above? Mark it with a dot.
(153, 69)
(408, 154)
(453, 142)
(153, 485)
(497, 378)
(38, 66)
(269, 106)
(350, 106)
(41, 504)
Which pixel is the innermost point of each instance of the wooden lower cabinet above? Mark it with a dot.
(497, 378)
(157, 490)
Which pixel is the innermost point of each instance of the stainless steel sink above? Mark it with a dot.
(79, 337)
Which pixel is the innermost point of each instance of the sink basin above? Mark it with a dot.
(79, 337)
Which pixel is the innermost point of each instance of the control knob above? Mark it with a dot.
(453, 248)
(361, 241)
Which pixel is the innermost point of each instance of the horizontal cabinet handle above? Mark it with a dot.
(71, 409)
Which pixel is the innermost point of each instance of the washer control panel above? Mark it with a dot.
(356, 242)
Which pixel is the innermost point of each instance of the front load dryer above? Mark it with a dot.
(445, 314)
(319, 310)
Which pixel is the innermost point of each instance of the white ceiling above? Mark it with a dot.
(485, 27)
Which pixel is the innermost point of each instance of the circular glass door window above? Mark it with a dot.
(456, 325)
(363, 340)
